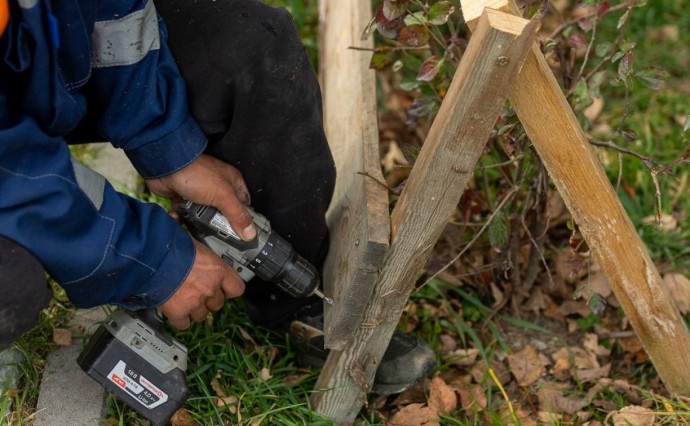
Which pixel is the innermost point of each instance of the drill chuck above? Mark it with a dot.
(268, 256)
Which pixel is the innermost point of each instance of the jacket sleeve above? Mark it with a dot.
(141, 94)
(101, 246)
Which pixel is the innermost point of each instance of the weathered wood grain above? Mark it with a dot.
(358, 218)
(445, 163)
(587, 192)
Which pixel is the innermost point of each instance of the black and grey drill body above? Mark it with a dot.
(268, 256)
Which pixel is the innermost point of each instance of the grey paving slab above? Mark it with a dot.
(67, 395)
(86, 321)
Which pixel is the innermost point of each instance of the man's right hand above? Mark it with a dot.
(210, 282)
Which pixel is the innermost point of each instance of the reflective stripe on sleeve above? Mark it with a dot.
(126, 40)
(90, 182)
(27, 4)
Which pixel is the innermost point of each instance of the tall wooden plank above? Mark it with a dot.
(358, 218)
(587, 192)
(446, 161)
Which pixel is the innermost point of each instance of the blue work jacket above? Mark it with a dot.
(58, 59)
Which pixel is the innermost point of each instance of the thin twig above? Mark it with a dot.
(505, 200)
(613, 48)
(611, 145)
(559, 29)
(389, 48)
(647, 161)
(658, 197)
(502, 164)
(541, 255)
(589, 50)
(383, 184)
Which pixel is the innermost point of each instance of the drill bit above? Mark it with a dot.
(323, 296)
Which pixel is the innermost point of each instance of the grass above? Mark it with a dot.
(253, 370)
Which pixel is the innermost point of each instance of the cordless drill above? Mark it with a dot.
(131, 356)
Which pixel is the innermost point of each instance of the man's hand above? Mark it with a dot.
(210, 182)
(205, 289)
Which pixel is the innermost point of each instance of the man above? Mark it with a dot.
(238, 120)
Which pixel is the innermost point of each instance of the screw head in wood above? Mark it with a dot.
(502, 61)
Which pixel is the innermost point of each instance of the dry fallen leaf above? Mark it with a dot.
(480, 371)
(593, 111)
(295, 378)
(249, 342)
(231, 403)
(217, 388)
(679, 287)
(667, 223)
(671, 32)
(591, 345)
(442, 397)
(265, 374)
(597, 283)
(584, 359)
(591, 375)
(633, 415)
(527, 365)
(393, 157)
(464, 357)
(209, 319)
(62, 336)
(570, 266)
(537, 301)
(497, 294)
(182, 418)
(413, 395)
(553, 398)
(562, 368)
(415, 415)
(449, 343)
(473, 399)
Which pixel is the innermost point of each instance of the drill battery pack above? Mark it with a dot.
(132, 358)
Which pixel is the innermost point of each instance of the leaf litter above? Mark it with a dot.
(566, 349)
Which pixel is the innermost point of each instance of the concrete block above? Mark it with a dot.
(87, 321)
(67, 395)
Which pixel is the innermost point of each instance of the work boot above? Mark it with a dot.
(406, 362)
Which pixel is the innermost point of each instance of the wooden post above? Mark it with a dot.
(573, 166)
(358, 218)
(445, 164)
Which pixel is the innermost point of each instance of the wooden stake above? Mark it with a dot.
(587, 192)
(358, 219)
(445, 164)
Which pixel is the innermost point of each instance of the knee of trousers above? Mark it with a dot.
(24, 288)
(231, 52)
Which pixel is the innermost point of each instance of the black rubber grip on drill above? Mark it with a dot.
(278, 263)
